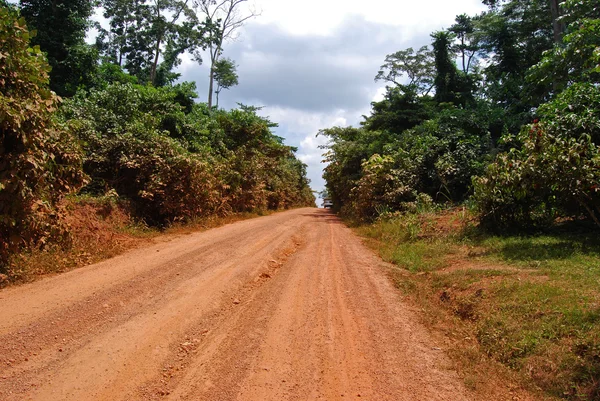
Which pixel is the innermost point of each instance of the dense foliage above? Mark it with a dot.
(39, 161)
(554, 170)
(374, 171)
(175, 161)
(61, 26)
(516, 127)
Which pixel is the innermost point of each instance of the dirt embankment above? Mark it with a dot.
(285, 307)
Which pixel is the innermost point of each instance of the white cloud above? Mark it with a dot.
(310, 151)
(379, 95)
(299, 123)
(321, 17)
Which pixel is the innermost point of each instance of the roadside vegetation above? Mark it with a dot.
(514, 129)
(497, 120)
(101, 227)
(530, 303)
(125, 139)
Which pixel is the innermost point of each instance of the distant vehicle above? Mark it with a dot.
(327, 203)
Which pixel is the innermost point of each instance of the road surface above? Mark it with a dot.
(290, 306)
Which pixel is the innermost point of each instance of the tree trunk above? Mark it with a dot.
(214, 57)
(464, 55)
(211, 75)
(157, 50)
(590, 212)
(469, 62)
(210, 86)
(557, 26)
(154, 65)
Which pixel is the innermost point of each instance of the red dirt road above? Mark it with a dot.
(290, 306)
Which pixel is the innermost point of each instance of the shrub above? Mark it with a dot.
(134, 140)
(262, 172)
(39, 162)
(175, 161)
(437, 158)
(554, 170)
(385, 185)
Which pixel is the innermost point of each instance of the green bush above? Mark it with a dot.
(39, 162)
(450, 150)
(437, 158)
(385, 185)
(553, 170)
(134, 138)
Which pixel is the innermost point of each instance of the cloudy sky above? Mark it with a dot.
(310, 64)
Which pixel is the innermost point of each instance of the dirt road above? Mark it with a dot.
(290, 306)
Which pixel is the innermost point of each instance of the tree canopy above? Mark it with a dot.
(60, 27)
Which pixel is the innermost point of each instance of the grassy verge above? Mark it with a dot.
(100, 228)
(525, 306)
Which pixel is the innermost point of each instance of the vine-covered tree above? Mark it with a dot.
(451, 86)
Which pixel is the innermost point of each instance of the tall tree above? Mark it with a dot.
(467, 47)
(225, 75)
(418, 67)
(127, 22)
(550, 9)
(61, 26)
(576, 59)
(224, 18)
(147, 37)
(165, 14)
(513, 35)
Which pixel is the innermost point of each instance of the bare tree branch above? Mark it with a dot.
(224, 16)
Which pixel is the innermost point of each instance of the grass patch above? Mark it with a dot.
(530, 303)
(401, 241)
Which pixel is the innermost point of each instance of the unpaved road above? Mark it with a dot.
(290, 306)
